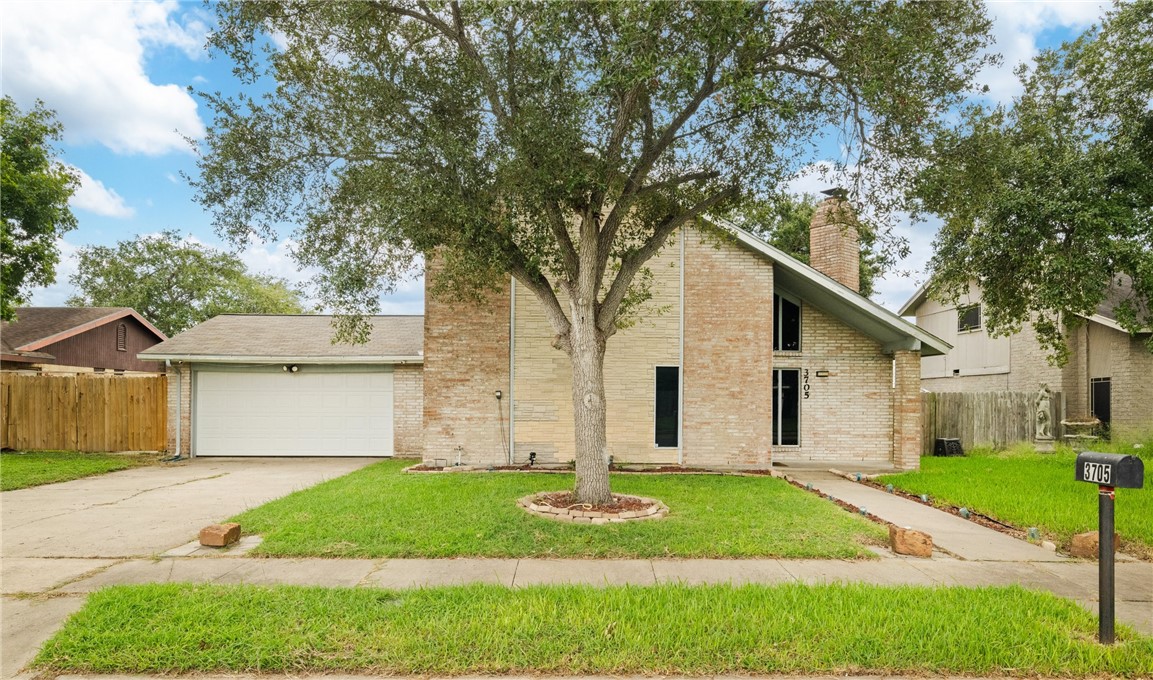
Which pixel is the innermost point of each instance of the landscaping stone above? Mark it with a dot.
(655, 510)
(906, 541)
(220, 535)
(1088, 544)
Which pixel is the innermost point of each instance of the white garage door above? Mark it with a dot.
(315, 412)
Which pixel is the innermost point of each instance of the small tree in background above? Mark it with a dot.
(560, 143)
(34, 193)
(176, 284)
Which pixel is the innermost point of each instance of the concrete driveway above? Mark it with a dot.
(56, 533)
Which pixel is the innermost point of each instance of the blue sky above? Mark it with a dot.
(118, 73)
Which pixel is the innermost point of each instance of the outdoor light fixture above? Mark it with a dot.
(498, 394)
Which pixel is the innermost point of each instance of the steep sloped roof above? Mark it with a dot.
(840, 301)
(303, 338)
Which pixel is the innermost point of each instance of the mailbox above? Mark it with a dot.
(1110, 469)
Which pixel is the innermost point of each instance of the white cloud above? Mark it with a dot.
(1016, 28)
(56, 294)
(86, 60)
(94, 197)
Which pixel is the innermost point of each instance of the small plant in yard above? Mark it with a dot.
(656, 630)
(1026, 489)
(381, 512)
(22, 469)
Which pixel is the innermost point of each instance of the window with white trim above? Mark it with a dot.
(786, 407)
(786, 324)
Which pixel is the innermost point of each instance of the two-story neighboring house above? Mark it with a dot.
(1109, 373)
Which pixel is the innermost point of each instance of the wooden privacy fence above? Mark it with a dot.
(85, 412)
(985, 418)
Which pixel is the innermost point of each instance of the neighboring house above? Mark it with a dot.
(71, 339)
(255, 385)
(744, 357)
(1109, 373)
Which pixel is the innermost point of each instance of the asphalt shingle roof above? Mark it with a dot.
(35, 324)
(290, 336)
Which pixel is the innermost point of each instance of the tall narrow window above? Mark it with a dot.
(786, 406)
(121, 338)
(668, 387)
(786, 324)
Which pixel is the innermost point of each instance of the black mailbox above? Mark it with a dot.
(1111, 469)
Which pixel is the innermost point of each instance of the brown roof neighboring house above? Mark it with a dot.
(255, 338)
(83, 337)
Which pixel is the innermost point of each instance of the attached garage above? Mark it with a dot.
(315, 411)
(262, 385)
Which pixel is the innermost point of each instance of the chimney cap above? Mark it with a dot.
(836, 192)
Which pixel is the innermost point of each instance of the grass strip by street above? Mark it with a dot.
(1029, 489)
(671, 629)
(20, 469)
(380, 511)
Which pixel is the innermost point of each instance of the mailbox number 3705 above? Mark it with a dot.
(1098, 473)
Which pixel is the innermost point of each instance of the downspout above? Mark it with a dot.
(179, 409)
(512, 375)
(681, 385)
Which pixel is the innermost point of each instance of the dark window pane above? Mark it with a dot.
(786, 407)
(968, 318)
(1101, 396)
(786, 325)
(667, 405)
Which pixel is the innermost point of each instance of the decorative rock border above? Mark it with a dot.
(656, 510)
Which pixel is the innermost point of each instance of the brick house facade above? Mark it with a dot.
(696, 381)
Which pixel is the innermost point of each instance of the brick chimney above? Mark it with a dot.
(834, 247)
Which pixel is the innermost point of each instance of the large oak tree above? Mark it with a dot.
(561, 143)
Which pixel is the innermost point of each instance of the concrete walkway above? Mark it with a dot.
(965, 539)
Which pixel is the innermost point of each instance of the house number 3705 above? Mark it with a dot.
(805, 382)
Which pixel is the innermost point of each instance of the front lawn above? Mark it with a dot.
(573, 630)
(20, 470)
(1029, 489)
(380, 511)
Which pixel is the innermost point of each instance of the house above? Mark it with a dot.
(72, 339)
(744, 357)
(1109, 373)
(276, 385)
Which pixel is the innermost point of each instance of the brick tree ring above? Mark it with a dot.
(562, 506)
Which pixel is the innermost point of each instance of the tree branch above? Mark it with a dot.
(631, 264)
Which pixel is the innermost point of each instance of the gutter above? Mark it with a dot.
(280, 359)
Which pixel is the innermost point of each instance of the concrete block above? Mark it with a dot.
(1088, 544)
(220, 535)
(906, 541)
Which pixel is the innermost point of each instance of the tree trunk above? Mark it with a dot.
(589, 408)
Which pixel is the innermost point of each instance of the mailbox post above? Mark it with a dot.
(1109, 471)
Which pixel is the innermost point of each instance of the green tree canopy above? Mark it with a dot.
(176, 284)
(560, 143)
(34, 193)
(1048, 203)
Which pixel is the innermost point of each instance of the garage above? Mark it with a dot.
(287, 385)
(312, 411)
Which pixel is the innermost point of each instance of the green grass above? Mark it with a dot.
(1029, 489)
(20, 470)
(671, 629)
(381, 512)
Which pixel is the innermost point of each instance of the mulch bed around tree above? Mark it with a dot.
(567, 499)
